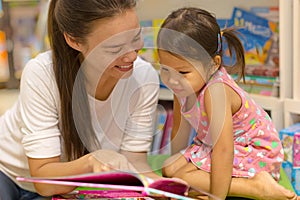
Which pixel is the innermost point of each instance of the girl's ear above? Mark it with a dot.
(217, 60)
(216, 64)
(72, 42)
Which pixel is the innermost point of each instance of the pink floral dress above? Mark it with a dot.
(257, 146)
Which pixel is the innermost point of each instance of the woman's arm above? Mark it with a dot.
(218, 107)
(181, 129)
(50, 167)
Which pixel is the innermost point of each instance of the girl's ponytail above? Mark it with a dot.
(235, 46)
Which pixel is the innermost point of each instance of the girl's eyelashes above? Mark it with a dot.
(167, 70)
(182, 72)
(164, 69)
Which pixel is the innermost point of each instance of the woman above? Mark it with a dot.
(89, 92)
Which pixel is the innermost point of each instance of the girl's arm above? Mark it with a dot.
(218, 107)
(180, 131)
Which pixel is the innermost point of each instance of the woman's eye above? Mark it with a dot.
(136, 39)
(114, 51)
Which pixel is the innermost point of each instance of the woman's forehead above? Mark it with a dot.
(119, 27)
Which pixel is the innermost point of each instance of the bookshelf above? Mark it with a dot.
(291, 112)
(296, 49)
(292, 103)
(165, 94)
(18, 22)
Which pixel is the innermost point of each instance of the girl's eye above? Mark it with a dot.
(181, 72)
(164, 69)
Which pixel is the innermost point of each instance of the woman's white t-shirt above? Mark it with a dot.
(31, 128)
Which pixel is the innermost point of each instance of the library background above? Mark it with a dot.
(272, 58)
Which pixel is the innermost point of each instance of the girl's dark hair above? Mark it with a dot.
(194, 33)
(75, 18)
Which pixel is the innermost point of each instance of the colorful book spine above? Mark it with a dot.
(161, 114)
(4, 69)
(165, 147)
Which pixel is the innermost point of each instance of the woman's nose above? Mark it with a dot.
(130, 56)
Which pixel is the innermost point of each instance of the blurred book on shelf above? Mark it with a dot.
(150, 29)
(4, 68)
(165, 145)
(24, 23)
(262, 85)
(163, 128)
(290, 139)
(23, 18)
(259, 34)
(159, 125)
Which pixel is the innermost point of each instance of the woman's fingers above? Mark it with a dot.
(100, 167)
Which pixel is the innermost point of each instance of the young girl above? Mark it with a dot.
(235, 136)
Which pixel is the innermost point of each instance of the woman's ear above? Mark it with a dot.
(72, 42)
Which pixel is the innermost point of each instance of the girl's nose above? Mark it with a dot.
(173, 81)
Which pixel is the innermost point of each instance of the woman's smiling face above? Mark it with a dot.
(112, 47)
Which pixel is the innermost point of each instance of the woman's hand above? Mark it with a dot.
(107, 160)
(98, 161)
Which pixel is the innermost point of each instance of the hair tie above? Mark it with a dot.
(219, 43)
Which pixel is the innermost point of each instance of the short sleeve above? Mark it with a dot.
(39, 110)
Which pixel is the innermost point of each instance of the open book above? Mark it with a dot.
(117, 184)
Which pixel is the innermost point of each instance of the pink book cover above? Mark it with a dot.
(296, 151)
(117, 184)
(103, 194)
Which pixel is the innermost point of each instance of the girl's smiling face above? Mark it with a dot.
(184, 78)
